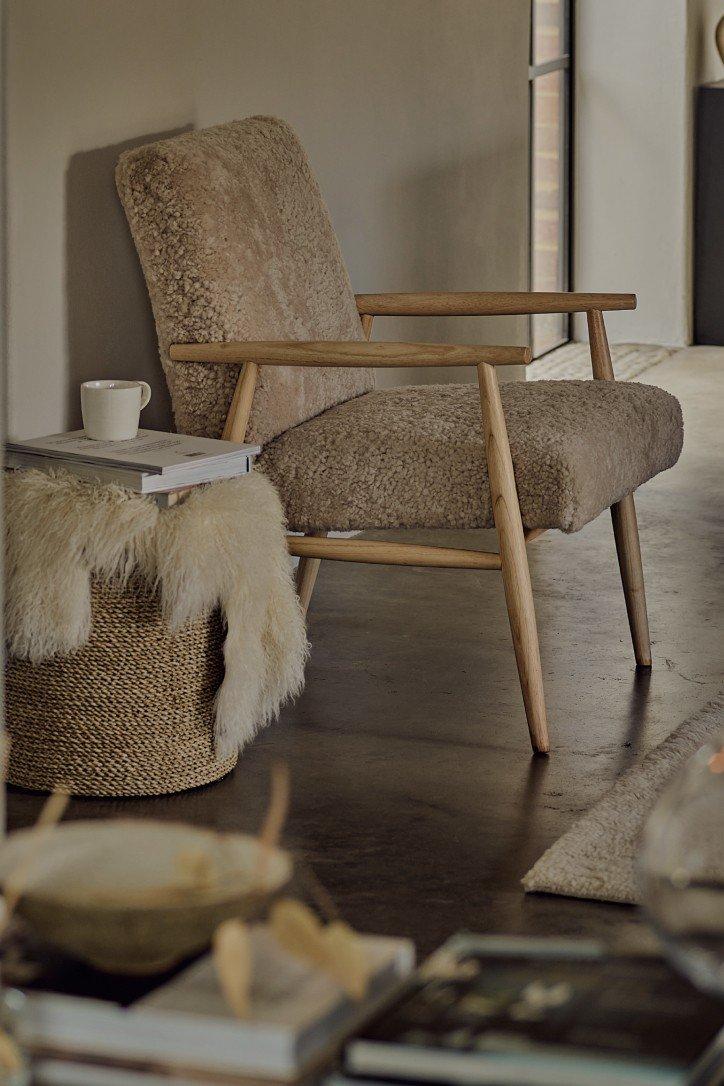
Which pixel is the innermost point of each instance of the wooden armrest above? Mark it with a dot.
(349, 353)
(476, 304)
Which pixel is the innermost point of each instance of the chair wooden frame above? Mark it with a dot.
(511, 559)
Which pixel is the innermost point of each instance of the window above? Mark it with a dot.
(550, 163)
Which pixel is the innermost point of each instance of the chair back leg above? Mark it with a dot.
(514, 558)
(307, 571)
(623, 515)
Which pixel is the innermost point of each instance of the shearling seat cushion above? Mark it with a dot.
(414, 457)
(236, 243)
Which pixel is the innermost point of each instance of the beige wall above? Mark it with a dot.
(632, 175)
(637, 68)
(414, 113)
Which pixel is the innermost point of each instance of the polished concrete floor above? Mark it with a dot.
(415, 797)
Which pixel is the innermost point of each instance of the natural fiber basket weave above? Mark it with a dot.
(129, 714)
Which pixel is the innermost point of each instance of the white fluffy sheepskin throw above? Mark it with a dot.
(223, 546)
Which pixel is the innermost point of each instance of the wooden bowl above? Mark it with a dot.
(137, 896)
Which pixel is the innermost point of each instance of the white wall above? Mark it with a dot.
(632, 213)
(414, 114)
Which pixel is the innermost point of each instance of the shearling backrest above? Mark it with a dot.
(236, 243)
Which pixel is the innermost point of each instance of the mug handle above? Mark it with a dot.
(145, 394)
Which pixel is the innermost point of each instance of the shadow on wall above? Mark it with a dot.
(110, 327)
(459, 225)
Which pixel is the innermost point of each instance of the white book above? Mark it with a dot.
(151, 451)
(540, 1012)
(297, 1014)
(142, 482)
(55, 1072)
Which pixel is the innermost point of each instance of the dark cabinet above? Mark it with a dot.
(709, 215)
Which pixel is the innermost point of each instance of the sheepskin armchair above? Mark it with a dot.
(236, 245)
(262, 338)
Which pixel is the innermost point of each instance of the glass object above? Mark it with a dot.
(549, 198)
(681, 868)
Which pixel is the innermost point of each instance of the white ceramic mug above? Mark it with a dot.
(111, 408)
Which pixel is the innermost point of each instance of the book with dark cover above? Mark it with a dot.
(489, 1010)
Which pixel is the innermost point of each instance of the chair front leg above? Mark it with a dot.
(623, 515)
(514, 558)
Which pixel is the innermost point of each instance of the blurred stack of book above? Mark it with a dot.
(181, 1030)
(483, 1009)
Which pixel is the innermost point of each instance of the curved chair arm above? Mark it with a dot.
(481, 304)
(352, 353)
(359, 353)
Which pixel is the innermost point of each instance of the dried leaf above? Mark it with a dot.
(16, 881)
(346, 959)
(53, 809)
(232, 956)
(274, 821)
(297, 929)
(11, 1058)
(335, 949)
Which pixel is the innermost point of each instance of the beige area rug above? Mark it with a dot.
(572, 361)
(596, 857)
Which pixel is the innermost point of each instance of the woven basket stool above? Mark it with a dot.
(129, 714)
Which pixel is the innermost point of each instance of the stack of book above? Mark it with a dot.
(153, 462)
(182, 1030)
(483, 1009)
